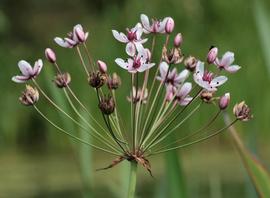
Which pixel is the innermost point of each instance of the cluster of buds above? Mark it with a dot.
(29, 96)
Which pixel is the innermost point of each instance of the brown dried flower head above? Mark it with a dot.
(62, 80)
(242, 111)
(29, 96)
(97, 79)
(107, 105)
(174, 56)
(207, 96)
(190, 63)
(114, 82)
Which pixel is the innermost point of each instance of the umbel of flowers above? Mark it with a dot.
(158, 105)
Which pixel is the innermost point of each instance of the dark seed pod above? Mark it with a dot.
(97, 79)
(62, 80)
(29, 96)
(242, 111)
(207, 96)
(114, 82)
(107, 105)
(190, 63)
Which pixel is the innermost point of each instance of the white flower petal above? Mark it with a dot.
(25, 68)
(20, 79)
(232, 68)
(218, 81)
(182, 76)
(184, 90)
(162, 24)
(185, 101)
(61, 42)
(131, 49)
(37, 67)
(120, 36)
(144, 67)
(163, 69)
(145, 22)
(122, 63)
(227, 59)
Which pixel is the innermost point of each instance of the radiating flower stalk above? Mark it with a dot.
(160, 103)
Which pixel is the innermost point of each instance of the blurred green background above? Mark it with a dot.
(36, 161)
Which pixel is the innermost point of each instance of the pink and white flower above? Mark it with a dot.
(182, 95)
(139, 63)
(157, 26)
(173, 78)
(77, 36)
(226, 63)
(132, 39)
(27, 71)
(206, 79)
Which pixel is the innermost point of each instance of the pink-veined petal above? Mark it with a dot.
(120, 36)
(20, 79)
(145, 23)
(227, 59)
(184, 90)
(25, 68)
(185, 101)
(131, 49)
(37, 67)
(144, 67)
(232, 68)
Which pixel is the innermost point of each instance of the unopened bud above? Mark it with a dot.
(224, 101)
(50, 55)
(212, 55)
(80, 33)
(114, 82)
(242, 111)
(29, 96)
(178, 40)
(62, 80)
(169, 25)
(107, 105)
(102, 66)
(97, 79)
(190, 63)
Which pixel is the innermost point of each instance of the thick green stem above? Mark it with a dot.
(132, 179)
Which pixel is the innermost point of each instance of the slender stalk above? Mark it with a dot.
(82, 61)
(132, 179)
(73, 136)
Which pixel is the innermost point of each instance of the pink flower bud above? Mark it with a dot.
(178, 40)
(102, 66)
(169, 25)
(224, 101)
(212, 55)
(50, 55)
(80, 34)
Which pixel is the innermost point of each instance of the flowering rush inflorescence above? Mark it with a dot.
(165, 92)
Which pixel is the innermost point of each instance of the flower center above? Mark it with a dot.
(207, 76)
(137, 62)
(131, 36)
